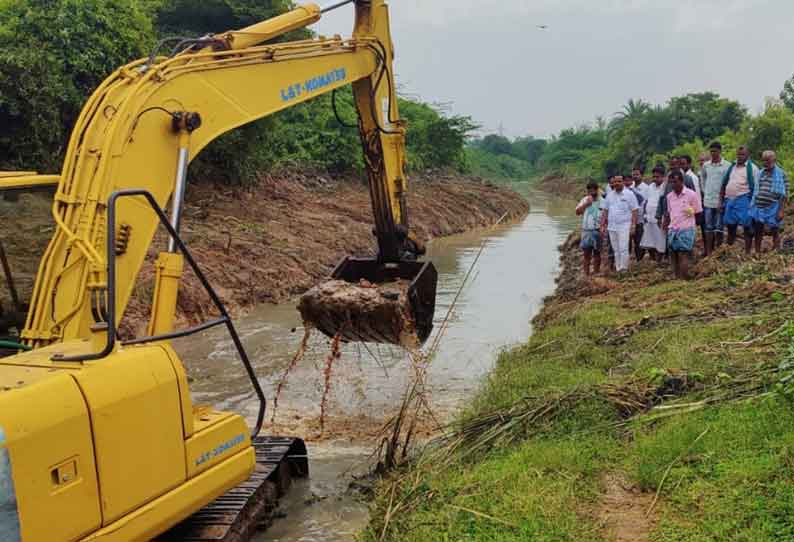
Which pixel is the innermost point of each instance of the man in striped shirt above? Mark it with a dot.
(769, 201)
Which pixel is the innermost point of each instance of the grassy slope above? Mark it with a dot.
(497, 166)
(602, 356)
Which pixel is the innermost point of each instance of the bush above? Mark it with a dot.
(311, 134)
(435, 139)
(773, 129)
(52, 55)
(200, 17)
(497, 156)
(497, 166)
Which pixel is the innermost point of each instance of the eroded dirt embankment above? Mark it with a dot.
(563, 186)
(269, 242)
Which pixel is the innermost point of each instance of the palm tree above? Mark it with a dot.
(659, 130)
(633, 110)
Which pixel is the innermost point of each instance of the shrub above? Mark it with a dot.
(52, 55)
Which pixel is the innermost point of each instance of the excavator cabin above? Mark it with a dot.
(100, 439)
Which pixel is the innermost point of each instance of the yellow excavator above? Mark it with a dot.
(99, 437)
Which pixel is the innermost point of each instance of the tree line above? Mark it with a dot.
(643, 134)
(54, 53)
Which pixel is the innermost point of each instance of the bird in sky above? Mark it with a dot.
(543, 26)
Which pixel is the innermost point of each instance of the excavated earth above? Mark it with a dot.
(361, 311)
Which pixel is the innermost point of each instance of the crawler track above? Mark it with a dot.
(249, 507)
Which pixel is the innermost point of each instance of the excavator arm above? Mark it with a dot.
(147, 121)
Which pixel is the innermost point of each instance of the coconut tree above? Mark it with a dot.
(633, 110)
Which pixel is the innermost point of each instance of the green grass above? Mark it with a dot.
(522, 494)
(735, 483)
(728, 470)
(497, 166)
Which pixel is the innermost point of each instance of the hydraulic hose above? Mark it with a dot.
(337, 5)
(12, 345)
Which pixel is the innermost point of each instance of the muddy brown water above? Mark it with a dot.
(514, 273)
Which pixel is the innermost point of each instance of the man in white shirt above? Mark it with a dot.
(619, 215)
(654, 238)
(640, 183)
(634, 239)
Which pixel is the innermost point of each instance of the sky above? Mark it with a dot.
(488, 59)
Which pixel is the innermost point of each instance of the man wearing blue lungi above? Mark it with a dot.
(738, 187)
(769, 201)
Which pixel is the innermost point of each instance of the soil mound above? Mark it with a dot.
(361, 312)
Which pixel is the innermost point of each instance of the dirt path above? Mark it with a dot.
(622, 510)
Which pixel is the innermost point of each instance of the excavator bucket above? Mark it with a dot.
(369, 301)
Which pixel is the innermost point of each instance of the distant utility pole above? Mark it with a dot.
(501, 129)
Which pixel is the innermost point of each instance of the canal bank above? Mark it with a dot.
(514, 272)
(640, 409)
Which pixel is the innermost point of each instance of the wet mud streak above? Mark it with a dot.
(622, 510)
(336, 353)
(307, 333)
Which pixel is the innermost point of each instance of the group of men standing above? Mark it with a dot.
(662, 217)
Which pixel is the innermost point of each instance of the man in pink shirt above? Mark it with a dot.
(682, 206)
